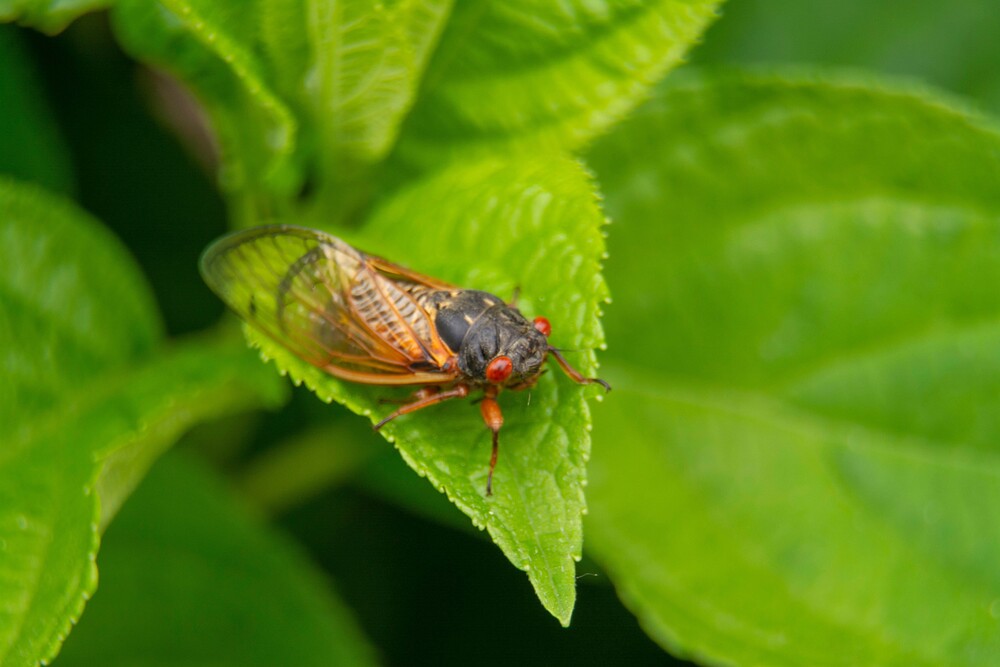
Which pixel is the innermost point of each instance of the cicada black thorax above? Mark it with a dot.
(479, 327)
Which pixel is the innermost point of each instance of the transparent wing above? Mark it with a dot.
(356, 316)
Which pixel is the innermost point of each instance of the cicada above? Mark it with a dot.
(364, 319)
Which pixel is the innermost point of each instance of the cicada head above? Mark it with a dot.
(502, 348)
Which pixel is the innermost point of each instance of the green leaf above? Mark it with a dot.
(495, 226)
(292, 85)
(207, 48)
(195, 381)
(30, 145)
(743, 531)
(84, 407)
(803, 446)
(952, 44)
(526, 76)
(75, 302)
(368, 60)
(307, 95)
(187, 577)
(50, 16)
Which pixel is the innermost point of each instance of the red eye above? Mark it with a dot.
(499, 369)
(543, 326)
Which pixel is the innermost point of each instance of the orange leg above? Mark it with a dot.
(575, 374)
(493, 417)
(458, 391)
(490, 409)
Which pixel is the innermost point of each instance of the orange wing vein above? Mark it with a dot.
(356, 316)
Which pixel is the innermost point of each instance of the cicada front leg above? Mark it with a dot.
(574, 374)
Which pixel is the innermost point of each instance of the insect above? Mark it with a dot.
(363, 319)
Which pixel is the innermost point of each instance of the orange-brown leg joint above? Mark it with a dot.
(493, 417)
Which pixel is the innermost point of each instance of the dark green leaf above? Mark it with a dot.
(30, 145)
(803, 453)
(48, 15)
(188, 578)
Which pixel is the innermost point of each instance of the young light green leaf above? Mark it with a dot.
(292, 85)
(365, 62)
(496, 226)
(806, 271)
(366, 65)
(82, 406)
(30, 145)
(526, 76)
(184, 567)
(50, 16)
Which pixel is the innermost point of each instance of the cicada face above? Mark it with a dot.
(518, 341)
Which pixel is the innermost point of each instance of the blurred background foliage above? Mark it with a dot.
(419, 582)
